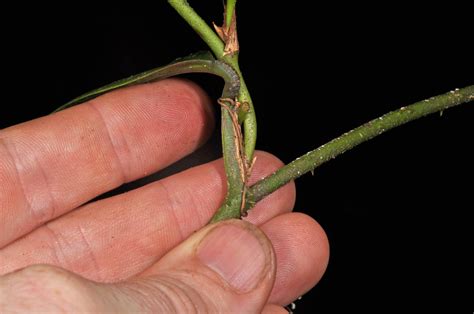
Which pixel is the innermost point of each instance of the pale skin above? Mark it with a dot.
(142, 250)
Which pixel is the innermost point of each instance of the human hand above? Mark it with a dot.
(148, 249)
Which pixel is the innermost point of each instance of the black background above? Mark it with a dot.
(396, 209)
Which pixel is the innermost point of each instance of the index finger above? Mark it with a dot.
(53, 164)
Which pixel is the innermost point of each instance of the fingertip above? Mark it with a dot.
(196, 94)
(189, 97)
(302, 250)
(274, 309)
(178, 104)
(164, 120)
(309, 230)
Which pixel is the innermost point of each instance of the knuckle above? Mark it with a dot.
(46, 288)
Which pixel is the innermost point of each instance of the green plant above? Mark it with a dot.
(238, 109)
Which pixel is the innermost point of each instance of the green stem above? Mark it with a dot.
(249, 118)
(217, 47)
(337, 146)
(231, 208)
(199, 26)
(229, 11)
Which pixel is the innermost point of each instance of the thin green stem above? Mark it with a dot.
(199, 26)
(336, 147)
(217, 47)
(229, 11)
(249, 118)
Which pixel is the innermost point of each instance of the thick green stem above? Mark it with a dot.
(217, 47)
(231, 208)
(337, 146)
(249, 119)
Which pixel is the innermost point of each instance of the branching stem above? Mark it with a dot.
(217, 47)
(309, 161)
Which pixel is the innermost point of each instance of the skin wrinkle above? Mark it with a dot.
(90, 253)
(6, 175)
(187, 196)
(172, 283)
(190, 198)
(196, 203)
(171, 208)
(161, 208)
(161, 301)
(198, 217)
(177, 294)
(55, 244)
(52, 199)
(10, 176)
(124, 177)
(17, 174)
(48, 205)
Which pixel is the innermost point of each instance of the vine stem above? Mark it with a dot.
(324, 153)
(217, 47)
(349, 140)
(229, 11)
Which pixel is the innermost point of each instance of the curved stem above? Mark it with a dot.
(217, 47)
(371, 129)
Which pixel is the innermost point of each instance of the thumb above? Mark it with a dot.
(228, 267)
(225, 267)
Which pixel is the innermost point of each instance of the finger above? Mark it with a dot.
(222, 268)
(55, 163)
(302, 251)
(274, 309)
(118, 237)
(227, 267)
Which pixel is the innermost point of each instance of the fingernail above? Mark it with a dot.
(236, 253)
